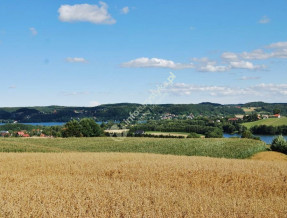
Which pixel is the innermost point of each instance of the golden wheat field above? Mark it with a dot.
(139, 185)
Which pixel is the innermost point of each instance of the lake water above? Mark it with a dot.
(42, 124)
(47, 124)
(265, 138)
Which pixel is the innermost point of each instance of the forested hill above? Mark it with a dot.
(122, 111)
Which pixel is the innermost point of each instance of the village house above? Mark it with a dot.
(22, 134)
(4, 133)
(275, 116)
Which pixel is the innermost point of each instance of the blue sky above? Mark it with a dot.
(85, 53)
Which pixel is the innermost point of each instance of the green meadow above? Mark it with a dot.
(221, 148)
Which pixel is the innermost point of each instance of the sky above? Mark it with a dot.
(87, 53)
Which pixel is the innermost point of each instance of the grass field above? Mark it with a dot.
(269, 122)
(249, 110)
(184, 134)
(227, 148)
(139, 185)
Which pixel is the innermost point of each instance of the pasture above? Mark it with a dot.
(139, 185)
(221, 148)
(268, 122)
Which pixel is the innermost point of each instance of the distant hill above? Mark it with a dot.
(122, 111)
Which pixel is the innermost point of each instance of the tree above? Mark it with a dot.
(247, 134)
(276, 111)
(214, 133)
(90, 128)
(279, 144)
(72, 129)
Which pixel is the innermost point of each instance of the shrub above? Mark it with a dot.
(279, 144)
(193, 135)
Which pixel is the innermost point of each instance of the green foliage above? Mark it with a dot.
(279, 144)
(85, 128)
(269, 130)
(222, 148)
(247, 134)
(194, 135)
(72, 129)
(251, 117)
(214, 133)
(90, 128)
(276, 111)
(202, 126)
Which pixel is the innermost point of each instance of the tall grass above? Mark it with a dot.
(139, 185)
(227, 148)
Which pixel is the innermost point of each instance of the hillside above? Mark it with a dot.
(269, 122)
(122, 111)
(114, 112)
(139, 185)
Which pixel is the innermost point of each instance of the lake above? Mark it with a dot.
(265, 138)
(47, 124)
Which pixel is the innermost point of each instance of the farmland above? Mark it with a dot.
(139, 185)
(269, 122)
(222, 148)
(184, 134)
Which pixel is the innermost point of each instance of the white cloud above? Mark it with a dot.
(125, 10)
(212, 67)
(245, 65)
(33, 31)
(12, 87)
(76, 60)
(278, 50)
(260, 90)
(86, 13)
(264, 20)
(278, 45)
(258, 54)
(155, 63)
(229, 56)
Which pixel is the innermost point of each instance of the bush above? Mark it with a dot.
(279, 144)
(193, 135)
(247, 134)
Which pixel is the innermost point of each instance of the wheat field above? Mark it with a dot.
(139, 185)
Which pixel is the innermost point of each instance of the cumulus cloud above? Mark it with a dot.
(278, 45)
(155, 63)
(33, 31)
(245, 65)
(275, 50)
(230, 60)
(125, 10)
(261, 90)
(264, 20)
(86, 13)
(229, 56)
(76, 60)
(211, 66)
